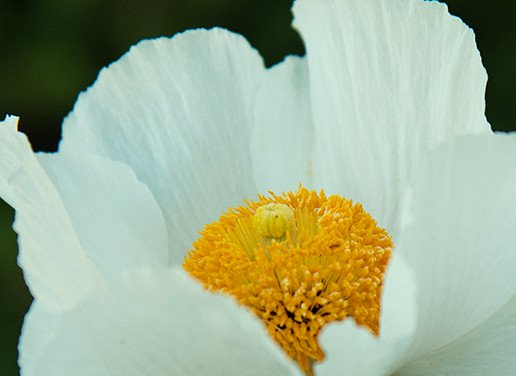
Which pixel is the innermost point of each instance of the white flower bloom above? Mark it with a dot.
(386, 108)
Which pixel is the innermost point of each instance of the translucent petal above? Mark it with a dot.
(39, 331)
(115, 217)
(283, 137)
(458, 236)
(54, 263)
(389, 80)
(153, 323)
(487, 350)
(180, 112)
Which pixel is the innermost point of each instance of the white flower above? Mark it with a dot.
(387, 108)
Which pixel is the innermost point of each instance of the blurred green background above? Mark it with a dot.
(51, 50)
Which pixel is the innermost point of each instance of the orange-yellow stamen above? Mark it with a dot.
(298, 261)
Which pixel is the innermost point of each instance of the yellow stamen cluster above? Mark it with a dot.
(299, 261)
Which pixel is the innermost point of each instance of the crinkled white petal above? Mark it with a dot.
(488, 349)
(283, 137)
(152, 323)
(10, 122)
(458, 236)
(38, 333)
(180, 112)
(389, 80)
(115, 217)
(54, 263)
(354, 351)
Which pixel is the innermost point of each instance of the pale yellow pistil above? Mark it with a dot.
(273, 220)
(299, 261)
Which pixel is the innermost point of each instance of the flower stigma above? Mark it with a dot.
(298, 261)
(273, 220)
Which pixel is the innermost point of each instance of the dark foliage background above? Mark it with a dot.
(50, 50)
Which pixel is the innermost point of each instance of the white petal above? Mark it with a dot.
(180, 112)
(10, 122)
(55, 266)
(38, 332)
(283, 137)
(354, 351)
(115, 217)
(157, 324)
(389, 79)
(459, 236)
(489, 349)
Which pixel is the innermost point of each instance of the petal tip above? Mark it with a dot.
(11, 121)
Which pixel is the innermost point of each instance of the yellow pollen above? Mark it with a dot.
(298, 261)
(273, 220)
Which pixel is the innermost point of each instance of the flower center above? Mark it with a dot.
(299, 261)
